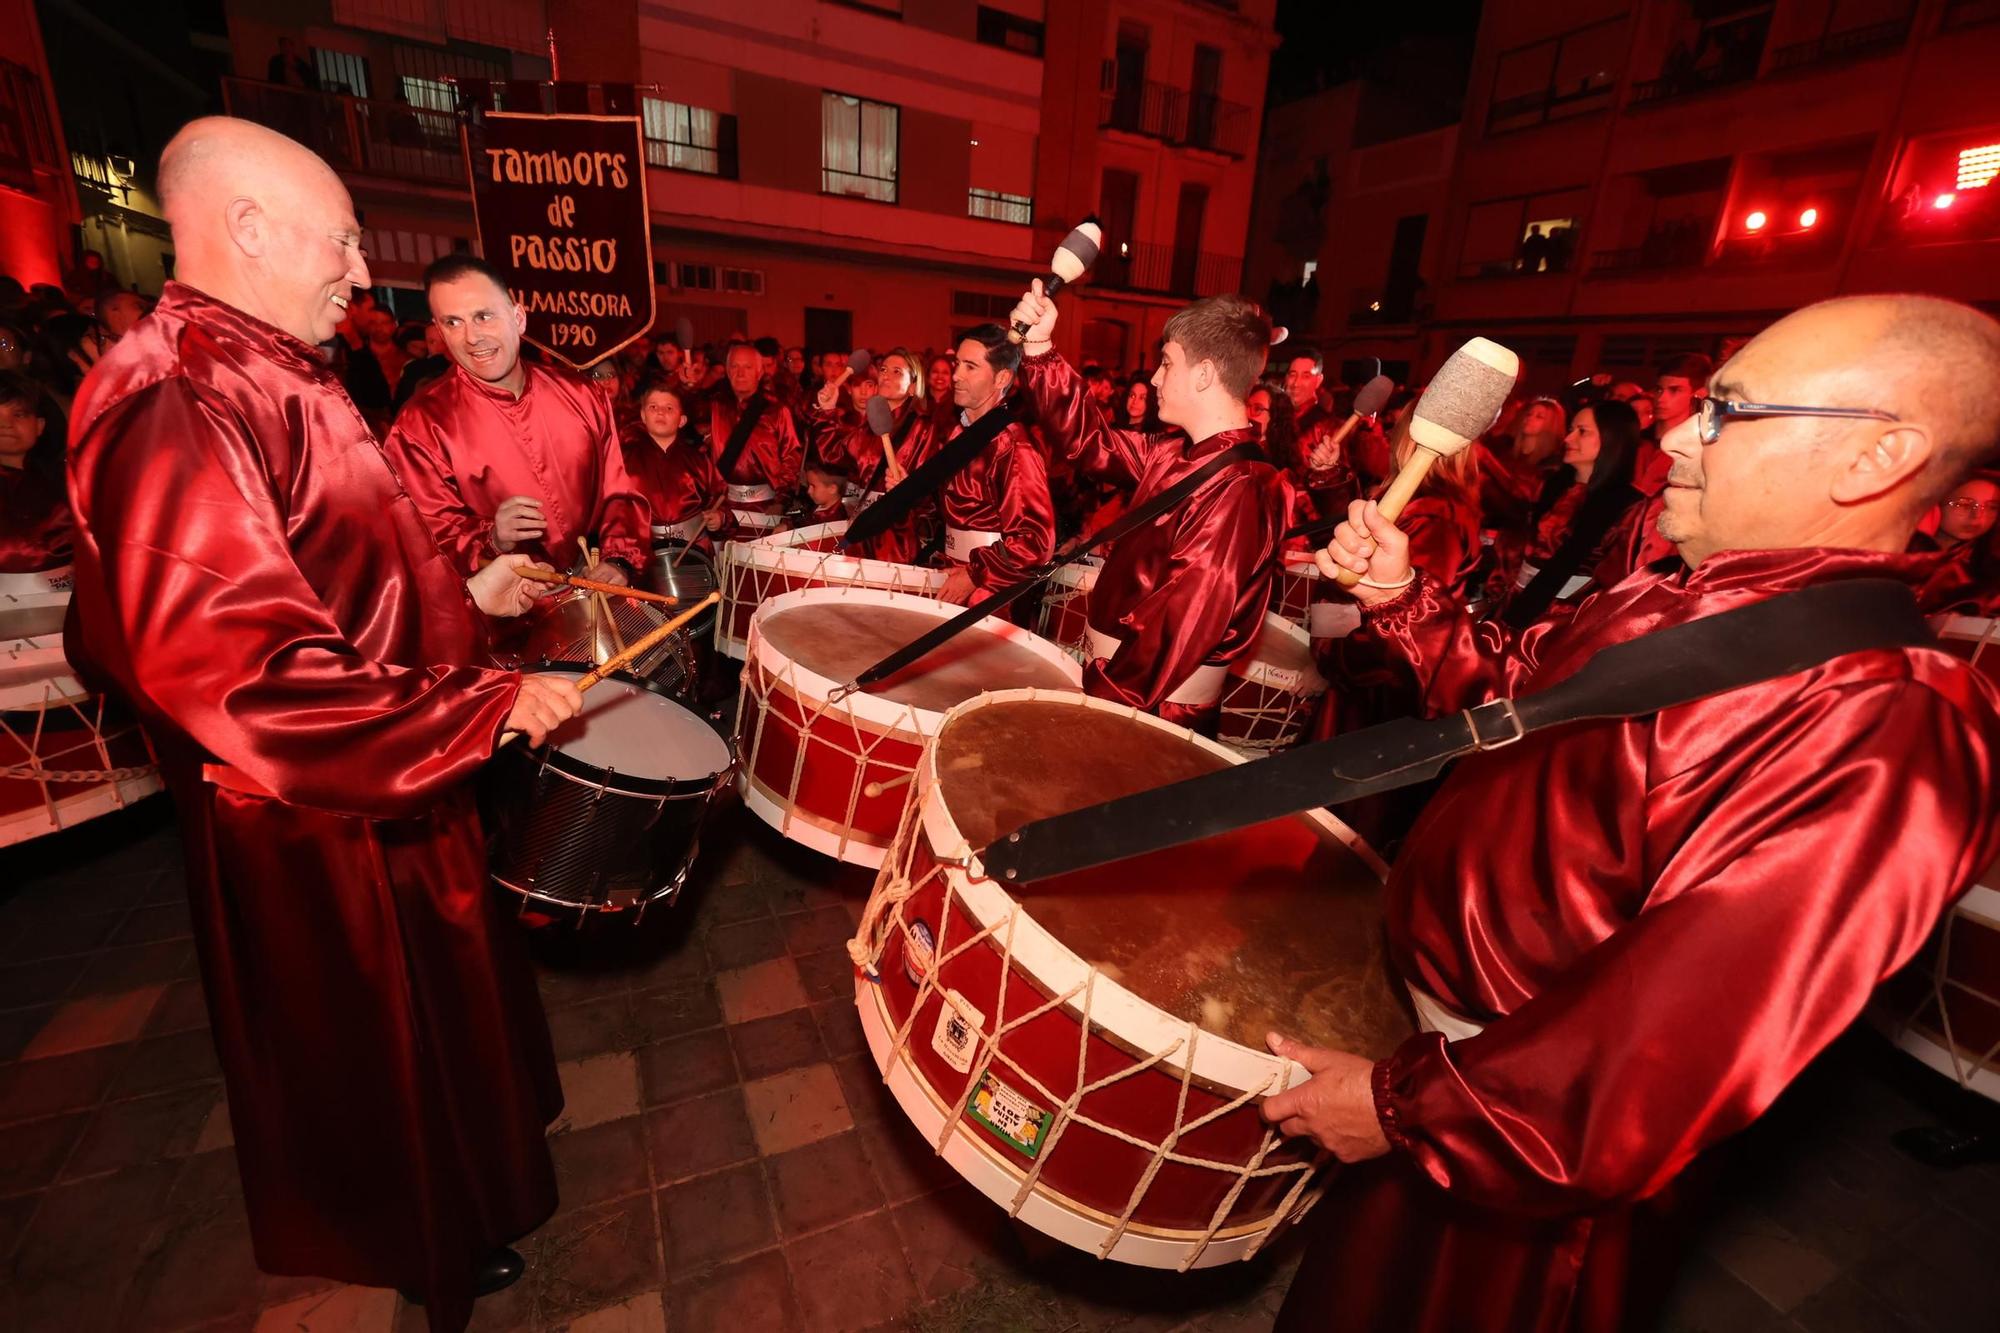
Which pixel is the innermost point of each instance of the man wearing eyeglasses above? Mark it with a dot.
(1685, 907)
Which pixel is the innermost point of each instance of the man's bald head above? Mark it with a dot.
(262, 224)
(1787, 481)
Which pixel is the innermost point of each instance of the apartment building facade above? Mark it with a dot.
(832, 173)
(1631, 181)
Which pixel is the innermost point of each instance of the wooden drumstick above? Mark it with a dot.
(638, 648)
(596, 585)
(874, 789)
(1461, 403)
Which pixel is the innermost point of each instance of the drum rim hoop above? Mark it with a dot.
(647, 788)
(1132, 1018)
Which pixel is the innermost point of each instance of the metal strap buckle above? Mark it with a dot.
(1508, 711)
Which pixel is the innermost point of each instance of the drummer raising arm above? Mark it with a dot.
(1000, 522)
(1183, 597)
(1629, 936)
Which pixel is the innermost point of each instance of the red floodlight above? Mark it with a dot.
(1809, 218)
(1944, 201)
(1755, 221)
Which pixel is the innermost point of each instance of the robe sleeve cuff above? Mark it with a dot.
(1381, 1084)
(1415, 602)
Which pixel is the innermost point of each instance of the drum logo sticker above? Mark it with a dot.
(918, 949)
(1020, 1123)
(957, 1034)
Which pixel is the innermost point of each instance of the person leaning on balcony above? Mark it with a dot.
(290, 68)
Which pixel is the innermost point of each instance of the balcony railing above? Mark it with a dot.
(1158, 111)
(1168, 270)
(1732, 50)
(1854, 44)
(997, 206)
(1545, 104)
(1683, 245)
(357, 135)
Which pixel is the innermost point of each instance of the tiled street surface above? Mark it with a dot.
(728, 1159)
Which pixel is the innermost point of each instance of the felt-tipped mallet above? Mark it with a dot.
(1461, 403)
(1072, 259)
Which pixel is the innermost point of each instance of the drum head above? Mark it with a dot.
(679, 570)
(1271, 928)
(631, 729)
(841, 639)
(1281, 647)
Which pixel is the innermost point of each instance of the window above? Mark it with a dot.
(341, 71)
(982, 305)
(685, 138)
(999, 207)
(999, 28)
(1530, 234)
(1555, 79)
(691, 277)
(430, 94)
(857, 148)
(744, 281)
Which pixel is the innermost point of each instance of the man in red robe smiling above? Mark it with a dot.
(251, 578)
(1184, 596)
(1628, 936)
(501, 455)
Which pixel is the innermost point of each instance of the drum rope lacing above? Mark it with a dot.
(738, 576)
(38, 771)
(894, 889)
(814, 710)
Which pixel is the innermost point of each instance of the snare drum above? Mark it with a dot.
(607, 816)
(1272, 692)
(829, 771)
(1292, 591)
(755, 572)
(1091, 1055)
(1064, 617)
(1975, 638)
(1945, 1007)
(572, 629)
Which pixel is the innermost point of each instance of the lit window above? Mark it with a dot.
(681, 138)
(1977, 166)
(430, 94)
(857, 148)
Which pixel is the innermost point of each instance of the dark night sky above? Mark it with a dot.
(1427, 44)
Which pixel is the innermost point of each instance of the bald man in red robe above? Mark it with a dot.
(760, 463)
(502, 455)
(1180, 598)
(1687, 907)
(251, 578)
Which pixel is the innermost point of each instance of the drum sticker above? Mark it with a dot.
(919, 947)
(1020, 1123)
(957, 1035)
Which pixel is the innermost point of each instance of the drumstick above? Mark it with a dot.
(1461, 403)
(639, 647)
(596, 585)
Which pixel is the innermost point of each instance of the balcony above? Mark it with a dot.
(1854, 44)
(357, 136)
(1725, 54)
(1679, 244)
(1168, 271)
(1189, 120)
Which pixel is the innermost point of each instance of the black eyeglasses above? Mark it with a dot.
(1712, 414)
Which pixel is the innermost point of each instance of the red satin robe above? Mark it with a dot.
(677, 482)
(850, 442)
(1188, 589)
(1964, 579)
(251, 578)
(773, 455)
(461, 447)
(1322, 492)
(35, 526)
(1659, 920)
(1004, 490)
(1634, 543)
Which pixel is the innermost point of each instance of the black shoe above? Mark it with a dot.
(1937, 1146)
(499, 1270)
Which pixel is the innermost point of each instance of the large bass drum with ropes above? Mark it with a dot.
(1090, 1053)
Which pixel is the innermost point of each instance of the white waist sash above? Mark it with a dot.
(1572, 585)
(1200, 690)
(960, 543)
(1432, 1015)
(756, 493)
(686, 530)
